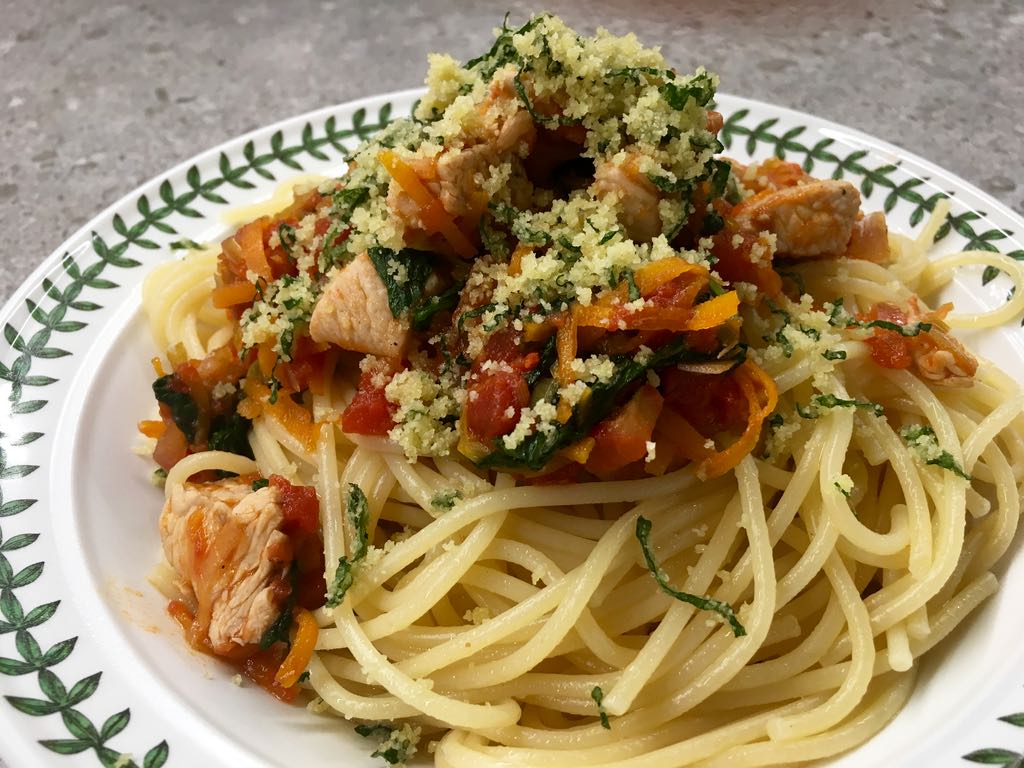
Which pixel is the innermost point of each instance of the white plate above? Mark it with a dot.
(90, 664)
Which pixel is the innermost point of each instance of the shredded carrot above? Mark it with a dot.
(152, 428)
(515, 262)
(158, 366)
(434, 216)
(267, 357)
(651, 277)
(566, 346)
(229, 295)
(750, 378)
(301, 651)
(713, 313)
(580, 450)
(537, 331)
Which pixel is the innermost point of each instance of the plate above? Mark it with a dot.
(90, 664)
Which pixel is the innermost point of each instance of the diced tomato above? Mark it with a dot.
(172, 446)
(493, 403)
(310, 587)
(712, 403)
(889, 349)
(300, 506)
(735, 263)
(496, 394)
(369, 413)
(622, 438)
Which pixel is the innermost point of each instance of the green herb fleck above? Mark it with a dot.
(261, 482)
(395, 748)
(820, 402)
(598, 696)
(445, 500)
(926, 443)
(358, 511)
(643, 534)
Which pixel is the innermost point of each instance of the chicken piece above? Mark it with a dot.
(223, 540)
(808, 220)
(870, 240)
(353, 313)
(773, 174)
(637, 198)
(457, 172)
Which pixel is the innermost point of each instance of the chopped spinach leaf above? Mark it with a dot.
(720, 172)
(404, 274)
(537, 449)
(700, 88)
(425, 311)
(173, 392)
(643, 534)
(230, 433)
(259, 483)
(548, 354)
(834, 354)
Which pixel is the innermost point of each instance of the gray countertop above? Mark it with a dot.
(100, 97)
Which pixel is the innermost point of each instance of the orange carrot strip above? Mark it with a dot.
(267, 357)
(566, 346)
(151, 428)
(225, 296)
(434, 216)
(158, 366)
(751, 378)
(301, 651)
(713, 313)
(651, 277)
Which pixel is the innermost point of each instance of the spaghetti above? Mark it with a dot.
(710, 510)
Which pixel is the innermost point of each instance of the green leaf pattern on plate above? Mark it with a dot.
(36, 340)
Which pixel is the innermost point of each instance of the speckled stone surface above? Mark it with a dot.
(98, 97)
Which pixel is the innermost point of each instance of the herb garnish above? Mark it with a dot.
(819, 402)
(643, 533)
(445, 500)
(926, 443)
(395, 747)
(358, 512)
(598, 696)
(258, 483)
